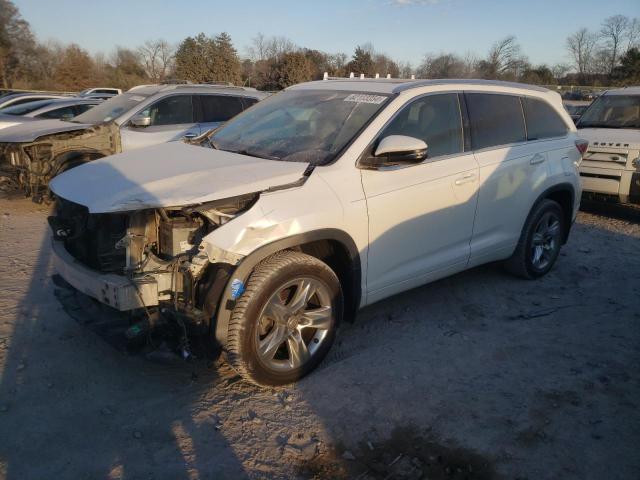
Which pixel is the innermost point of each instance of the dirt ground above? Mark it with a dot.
(477, 376)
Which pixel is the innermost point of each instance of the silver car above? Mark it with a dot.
(33, 153)
(56, 108)
(12, 99)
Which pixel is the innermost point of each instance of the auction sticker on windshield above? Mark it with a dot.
(363, 98)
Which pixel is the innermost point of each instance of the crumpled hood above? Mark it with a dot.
(612, 135)
(169, 175)
(30, 131)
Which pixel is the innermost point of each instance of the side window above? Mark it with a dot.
(173, 110)
(83, 108)
(495, 119)
(434, 119)
(248, 101)
(64, 112)
(542, 120)
(219, 108)
(20, 101)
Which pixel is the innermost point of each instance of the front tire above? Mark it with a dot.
(540, 241)
(285, 322)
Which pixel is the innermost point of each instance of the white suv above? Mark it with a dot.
(318, 201)
(611, 166)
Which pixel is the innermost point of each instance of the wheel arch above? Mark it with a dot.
(333, 246)
(564, 195)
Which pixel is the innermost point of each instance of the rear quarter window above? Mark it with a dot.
(542, 120)
(495, 119)
(219, 108)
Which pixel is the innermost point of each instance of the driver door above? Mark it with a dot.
(171, 119)
(421, 215)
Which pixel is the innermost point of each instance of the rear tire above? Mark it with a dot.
(540, 241)
(285, 322)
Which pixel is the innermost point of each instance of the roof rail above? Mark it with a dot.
(363, 77)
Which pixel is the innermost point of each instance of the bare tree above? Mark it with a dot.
(445, 65)
(633, 34)
(157, 58)
(614, 30)
(270, 48)
(505, 60)
(581, 45)
(559, 70)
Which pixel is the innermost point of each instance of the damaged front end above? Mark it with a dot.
(153, 263)
(27, 167)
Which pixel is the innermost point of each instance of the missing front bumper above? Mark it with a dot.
(111, 289)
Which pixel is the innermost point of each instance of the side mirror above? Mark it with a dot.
(400, 149)
(141, 120)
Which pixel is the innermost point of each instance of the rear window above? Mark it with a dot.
(495, 119)
(219, 108)
(68, 112)
(542, 120)
(27, 107)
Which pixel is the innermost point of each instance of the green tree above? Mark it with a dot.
(628, 72)
(16, 44)
(75, 69)
(294, 67)
(362, 62)
(203, 59)
(225, 63)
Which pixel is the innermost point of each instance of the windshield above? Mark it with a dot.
(25, 108)
(612, 111)
(112, 108)
(299, 125)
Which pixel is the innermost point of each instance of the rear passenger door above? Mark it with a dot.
(214, 110)
(513, 172)
(421, 215)
(172, 118)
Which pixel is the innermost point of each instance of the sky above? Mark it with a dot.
(404, 29)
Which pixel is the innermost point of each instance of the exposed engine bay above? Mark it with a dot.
(27, 167)
(157, 252)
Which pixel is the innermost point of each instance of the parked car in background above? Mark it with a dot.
(33, 153)
(611, 166)
(322, 199)
(13, 99)
(60, 108)
(576, 108)
(100, 92)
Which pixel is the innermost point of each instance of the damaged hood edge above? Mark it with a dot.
(171, 175)
(30, 131)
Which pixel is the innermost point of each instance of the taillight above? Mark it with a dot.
(582, 145)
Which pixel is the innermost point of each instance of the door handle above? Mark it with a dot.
(537, 158)
(190, 135)
(466, 178)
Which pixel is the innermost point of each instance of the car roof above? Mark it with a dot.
(34, 94)
(624, 91)
(196, 88)
(397, 85)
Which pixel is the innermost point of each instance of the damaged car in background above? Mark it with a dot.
(32, 154)
(262, 235)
